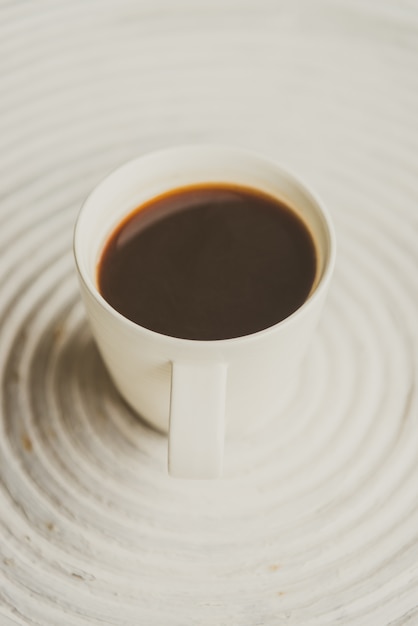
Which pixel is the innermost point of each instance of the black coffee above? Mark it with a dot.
(208, 262)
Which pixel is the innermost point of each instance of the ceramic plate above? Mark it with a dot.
(316, 519)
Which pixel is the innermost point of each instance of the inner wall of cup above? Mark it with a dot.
(140, 180)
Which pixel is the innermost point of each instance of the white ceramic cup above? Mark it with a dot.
(197, 390)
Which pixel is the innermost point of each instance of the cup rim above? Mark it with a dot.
(232, 150)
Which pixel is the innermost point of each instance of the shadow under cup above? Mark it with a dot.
(198, 389)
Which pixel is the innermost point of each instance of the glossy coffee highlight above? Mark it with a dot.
(208, 262)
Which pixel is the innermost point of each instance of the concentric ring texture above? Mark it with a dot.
(315, 522)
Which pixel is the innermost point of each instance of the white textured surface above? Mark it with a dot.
(316, 521)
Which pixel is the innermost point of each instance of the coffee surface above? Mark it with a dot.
(208, 262)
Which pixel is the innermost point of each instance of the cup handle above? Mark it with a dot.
(197, 412)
